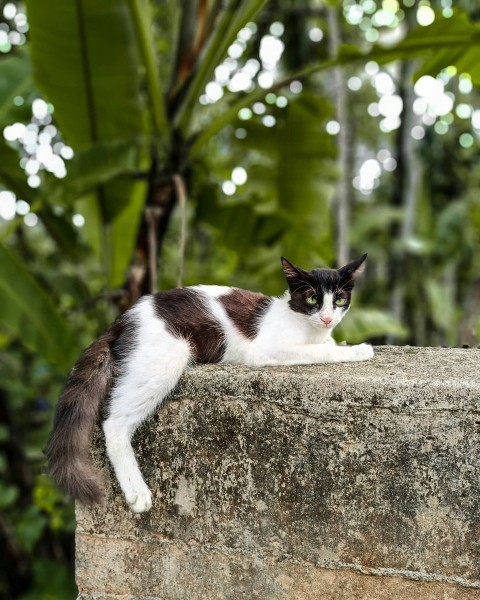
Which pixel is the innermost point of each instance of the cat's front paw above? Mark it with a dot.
(139, 500)
(363, 352)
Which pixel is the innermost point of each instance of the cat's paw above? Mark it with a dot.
(363, 352)
(139, 500)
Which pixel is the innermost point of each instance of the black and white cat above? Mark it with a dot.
(140, 359)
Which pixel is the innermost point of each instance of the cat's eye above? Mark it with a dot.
(311, 300)
(340, 301)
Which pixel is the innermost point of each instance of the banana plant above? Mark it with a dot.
(127, 74)
(125, 77)
(107, 55)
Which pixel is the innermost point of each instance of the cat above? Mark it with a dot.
(140, 359)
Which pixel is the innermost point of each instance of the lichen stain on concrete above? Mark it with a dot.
(170, 569)
(185, 497)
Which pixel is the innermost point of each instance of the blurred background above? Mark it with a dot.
(145, 144)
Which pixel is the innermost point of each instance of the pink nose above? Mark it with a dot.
(326, 320)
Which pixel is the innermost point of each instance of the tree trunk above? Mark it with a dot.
(343, 193)
(467, 335)
(142, 275)
(404, 196)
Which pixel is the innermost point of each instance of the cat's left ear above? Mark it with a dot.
(291, 271)
(351, 272)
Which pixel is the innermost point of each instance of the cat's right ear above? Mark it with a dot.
(351, 272)
(291, 271)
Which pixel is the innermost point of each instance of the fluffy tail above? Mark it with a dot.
(68, 450)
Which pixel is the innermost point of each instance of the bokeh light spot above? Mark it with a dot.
(333, 127)
(239, 176)
(425, 15)
(466, 140)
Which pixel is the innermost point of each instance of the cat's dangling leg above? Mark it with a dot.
(149, 374)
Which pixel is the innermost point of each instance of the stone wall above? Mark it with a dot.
(331, 482)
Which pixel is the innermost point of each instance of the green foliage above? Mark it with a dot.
(108, 121)
(234, 17)
(363, 323)
(36, 523)
(50, 580)
(447, 41)
(454, 41)
(95, 47)
(287, 196)
(124, 79)
(27, 311)
(8, 495)
(15, 80)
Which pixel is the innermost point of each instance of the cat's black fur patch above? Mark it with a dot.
(245, 309)
(317, 282)
(186, 316)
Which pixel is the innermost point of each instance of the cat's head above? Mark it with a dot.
(322, 295)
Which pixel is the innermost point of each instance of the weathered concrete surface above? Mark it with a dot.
(339, 482)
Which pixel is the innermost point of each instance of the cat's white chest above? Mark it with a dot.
(282, 328)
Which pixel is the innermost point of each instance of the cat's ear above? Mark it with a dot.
(351, 272)
(291, 271)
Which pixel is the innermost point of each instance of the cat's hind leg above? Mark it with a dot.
(149, 374)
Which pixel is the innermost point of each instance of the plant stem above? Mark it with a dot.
(146, 46)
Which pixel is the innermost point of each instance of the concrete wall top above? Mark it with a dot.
(300, 482)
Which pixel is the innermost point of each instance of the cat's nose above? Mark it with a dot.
(326, 320)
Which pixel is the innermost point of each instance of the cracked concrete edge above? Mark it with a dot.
(272, 580)
(421, 576)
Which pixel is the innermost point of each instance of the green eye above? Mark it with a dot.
(340, 301)
(311, 300)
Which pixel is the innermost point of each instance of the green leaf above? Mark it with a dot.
(115, 238)
(8, 495)
(15, 80)
(52, 581)
(287, 198)
(233, 18)
(27, 311)
(363, 323)
(62, 231)
(452, 41)
(447, 41)
(30, 527)
(373, 220)
(86, 61)
(140, 11)
(224, 112)
(95, 166)
(12, 176)
(288, 176)
(74, 58)
(441, 304)
(301, 145)
(121, 233)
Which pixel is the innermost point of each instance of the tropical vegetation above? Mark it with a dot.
(153, 143)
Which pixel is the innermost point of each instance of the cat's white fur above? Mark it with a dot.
(159, 359)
